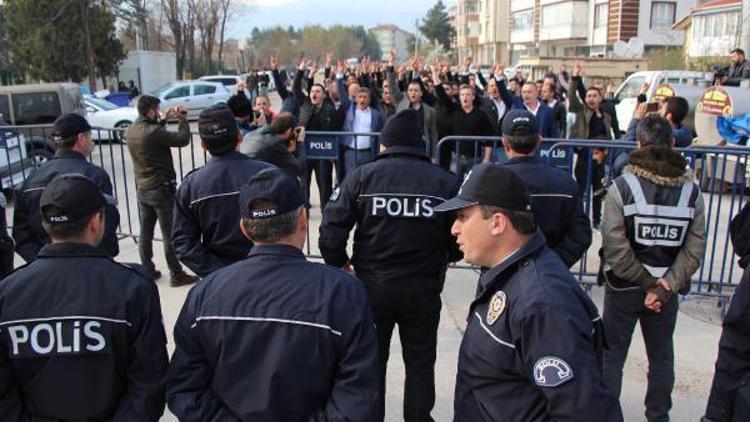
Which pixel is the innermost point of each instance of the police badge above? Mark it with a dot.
(496, 307)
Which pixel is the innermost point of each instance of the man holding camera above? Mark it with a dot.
(277, 143)
(150, 144)
(738, 70)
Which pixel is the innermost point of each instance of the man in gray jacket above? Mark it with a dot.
(277, 143)
(653, 239)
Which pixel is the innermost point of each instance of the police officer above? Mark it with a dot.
(730, 392)
(653, 239)
(532, 346)
(401, 249)
(81, 336)
(72, 135)
(555, 202)
(274, 337)
(205, 233)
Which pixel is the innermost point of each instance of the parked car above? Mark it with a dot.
(103, 114)
(627, 95)
(196, 96)
(31, 110)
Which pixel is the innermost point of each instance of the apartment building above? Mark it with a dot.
(559, 28)
(393, 38)
(712, 29)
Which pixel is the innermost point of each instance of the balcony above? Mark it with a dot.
(562, 21)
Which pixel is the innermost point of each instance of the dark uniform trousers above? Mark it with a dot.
(158, 204)
(417, 313)
(621, 312)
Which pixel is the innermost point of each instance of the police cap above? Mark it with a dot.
(520, 123)
(73, 196)
(69, 125)
(217, 123)
(274, 185)
(490, 184)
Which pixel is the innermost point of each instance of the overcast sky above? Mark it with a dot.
(268, 13)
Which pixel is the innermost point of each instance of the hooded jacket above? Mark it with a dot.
(664, 170)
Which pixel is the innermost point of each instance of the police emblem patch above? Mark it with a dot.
(496, 307)
(551, 371)
(335, 194)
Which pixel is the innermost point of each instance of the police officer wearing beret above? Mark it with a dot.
(401, 249)
(532, 346)
(275, 337)
(555, 201)
(72, 135)
(81, 336)
(205, 233)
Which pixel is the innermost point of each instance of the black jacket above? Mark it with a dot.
(27, 220)
(330, 118)
(107, 356)
(275, 338)
(398, 238)
(736, 73)
(560, 117)
(532, 347)
(557, 207)
(730, 392)
(206, 231)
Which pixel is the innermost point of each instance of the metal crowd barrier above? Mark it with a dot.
(722, 172)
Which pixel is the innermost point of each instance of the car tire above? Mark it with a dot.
(116, 138)
(40, 155)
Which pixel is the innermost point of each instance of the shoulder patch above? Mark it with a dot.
(551, 371)
(335, 195)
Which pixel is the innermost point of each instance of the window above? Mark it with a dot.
(698, 23)
(37, 108)
(732, 24)
(4, 110)
(720, 21)
(662, 15)
(204, 89)
(523, 20)
(182, 91)
(632, 88)
(601, 15)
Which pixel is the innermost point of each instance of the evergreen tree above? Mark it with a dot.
(436, 26)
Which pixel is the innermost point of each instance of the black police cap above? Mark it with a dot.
(73, 196)
(274, 185)
(490, 184)
(520, 122)
(217, 123)
(69, 125)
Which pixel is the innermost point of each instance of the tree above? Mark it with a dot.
(47, 39)
(436, 26)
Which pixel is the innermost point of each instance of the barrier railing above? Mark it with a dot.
(721, 171)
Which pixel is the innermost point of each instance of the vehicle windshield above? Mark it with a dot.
(160, 90)
(102, 104)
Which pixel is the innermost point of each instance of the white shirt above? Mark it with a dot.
(362, 123)
(533, 110)
(500, 105)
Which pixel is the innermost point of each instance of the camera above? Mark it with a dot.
(652, 107)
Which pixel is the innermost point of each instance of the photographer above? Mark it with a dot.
(277, 143)
(739, 69)
(150, 145)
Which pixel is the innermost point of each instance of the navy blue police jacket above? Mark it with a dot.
(206, 231)
(27, 220)
(275, 338)
(532, 347)
(557, 207)
(398, 238)
(81, 339)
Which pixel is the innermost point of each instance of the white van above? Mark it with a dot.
(626, 96)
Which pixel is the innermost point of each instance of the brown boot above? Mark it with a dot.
(183, 279)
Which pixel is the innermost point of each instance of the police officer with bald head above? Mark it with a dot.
(401, 249)
(81, 336)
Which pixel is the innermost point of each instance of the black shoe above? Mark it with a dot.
(183, 279)
(156, 274)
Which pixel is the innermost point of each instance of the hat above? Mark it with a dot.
(490, 184)
(274, 185)
(69, 125)
(217, 123)
(240, 105)
(520, 123)
(403, 130)
(74, 195)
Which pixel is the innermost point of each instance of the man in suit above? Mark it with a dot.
(413, 99)
(529, 100)
(360, 117)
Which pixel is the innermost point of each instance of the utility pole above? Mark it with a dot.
(89, 50)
